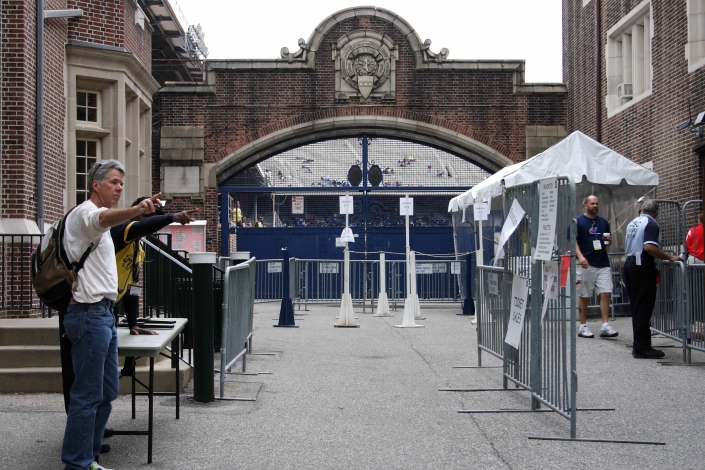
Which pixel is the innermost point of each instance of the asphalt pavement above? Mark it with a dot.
(368, 398)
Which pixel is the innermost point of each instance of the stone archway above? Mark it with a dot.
(295, 132)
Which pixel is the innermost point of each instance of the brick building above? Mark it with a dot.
(98, 87)
(103, 61)
(651, 58)
(362, 71)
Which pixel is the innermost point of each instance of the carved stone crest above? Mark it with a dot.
(365, 65)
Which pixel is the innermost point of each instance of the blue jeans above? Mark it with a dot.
(91, 329)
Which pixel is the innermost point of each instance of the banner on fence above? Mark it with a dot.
(516, 214)
(520, 293)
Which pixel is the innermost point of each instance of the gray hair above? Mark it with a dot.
(649, 206)
(99, 171)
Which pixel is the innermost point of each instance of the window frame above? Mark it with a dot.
(98, 108)
(76, 190)
(615, 51)
(695, 47)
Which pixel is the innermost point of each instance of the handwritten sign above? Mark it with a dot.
(481, 210)
(548, 205)
(406, 206)
(297, 204)
(346, 205)
(520, 294)
(347, 236)
(455, 267)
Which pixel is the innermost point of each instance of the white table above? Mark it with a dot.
(151, 346)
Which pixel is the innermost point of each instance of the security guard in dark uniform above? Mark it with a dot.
(642, 248)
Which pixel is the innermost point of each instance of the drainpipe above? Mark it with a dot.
(598, 72)
(40, 115)
(41, 15)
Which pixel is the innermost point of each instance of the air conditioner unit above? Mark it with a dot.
(625, 91)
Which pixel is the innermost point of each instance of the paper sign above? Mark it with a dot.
(347, 235)
(274, 267)
(548, 204)
(516, 214)
(328, 268)
(493, 283)
(339, 242)
(424, 268)
(406, 206)
(520, 292)
(297, 204)
(455, 267)
(481, 210)
(346, 205)
(550, 284)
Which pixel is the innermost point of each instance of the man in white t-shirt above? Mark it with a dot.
(88, 322)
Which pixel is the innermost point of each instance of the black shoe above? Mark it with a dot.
(108, 433)
(648, 354)
(104, 448)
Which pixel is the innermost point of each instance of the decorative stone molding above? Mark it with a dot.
(365, 65)
(279, 137)
(429, 56)
(299, 55)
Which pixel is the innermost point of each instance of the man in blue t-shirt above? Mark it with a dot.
(593, 272)
(642, 247)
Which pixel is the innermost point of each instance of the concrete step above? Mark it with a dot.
(48, 379)
(12, 357)
(29, 331)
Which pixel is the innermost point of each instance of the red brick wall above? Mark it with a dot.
(137, 40)
(102, 22)
(250, 104)
(18, 72)
(644, 132)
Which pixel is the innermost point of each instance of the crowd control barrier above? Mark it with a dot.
(493, 303)
(321, 281)
(695, 288)
(545, 361)
(237, 317)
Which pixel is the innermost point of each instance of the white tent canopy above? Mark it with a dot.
(577, 156)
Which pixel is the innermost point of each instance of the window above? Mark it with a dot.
(695, 48)
(629, 69)
(86, 156)
(87, 106)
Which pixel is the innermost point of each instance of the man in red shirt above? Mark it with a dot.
(694, 243)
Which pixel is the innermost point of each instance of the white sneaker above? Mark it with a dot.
(585, 332)
(608, 332)
(96, 466)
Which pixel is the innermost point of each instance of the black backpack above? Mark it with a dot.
(53, 276)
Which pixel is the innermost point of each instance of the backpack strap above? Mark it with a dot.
(74, 267)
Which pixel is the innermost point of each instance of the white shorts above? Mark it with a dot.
(593, 279)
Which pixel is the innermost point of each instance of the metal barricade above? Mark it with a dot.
(493, 306)
(269, 280)
(695, 308)
(237, 311)
(545, 362)
(669, 317)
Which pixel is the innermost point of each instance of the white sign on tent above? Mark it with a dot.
(481, 210)
(515, 216)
